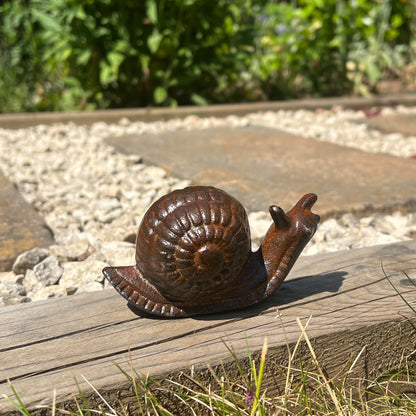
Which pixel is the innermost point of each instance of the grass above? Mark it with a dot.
(307, 389)
(411, 282)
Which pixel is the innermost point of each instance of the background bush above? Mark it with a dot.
(86, 54)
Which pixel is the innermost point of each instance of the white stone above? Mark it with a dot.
(77, 248)
(29, 259)
(119, 253)
(31, 282)
(90, 286)
(54, 291)
(7, 277)
(78, 273)
(109, 216)
(11, 289)
(259, 224)
(48, 271)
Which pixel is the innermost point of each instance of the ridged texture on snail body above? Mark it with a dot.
(193, 254)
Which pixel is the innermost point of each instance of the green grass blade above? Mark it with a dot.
(20, 406)
(396, 290)
(259, 377)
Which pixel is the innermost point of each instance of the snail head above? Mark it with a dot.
(299, 219)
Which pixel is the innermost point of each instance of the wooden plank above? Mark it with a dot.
(44, 345)
(23, 120)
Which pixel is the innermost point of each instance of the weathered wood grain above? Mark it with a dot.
(44, 345)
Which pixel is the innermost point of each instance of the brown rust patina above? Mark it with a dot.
(193, 254)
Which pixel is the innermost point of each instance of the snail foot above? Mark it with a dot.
(146, 298)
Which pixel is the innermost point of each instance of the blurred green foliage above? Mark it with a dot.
(86, 54)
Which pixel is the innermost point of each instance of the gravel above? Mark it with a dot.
(93, 198)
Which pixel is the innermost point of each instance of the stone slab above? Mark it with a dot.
(395, 123)
(261, 166)
(21, 227)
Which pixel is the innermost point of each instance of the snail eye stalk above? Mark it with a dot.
(279, 217)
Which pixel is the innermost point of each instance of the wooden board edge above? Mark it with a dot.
(335, 352)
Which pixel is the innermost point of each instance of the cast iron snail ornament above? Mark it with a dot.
(193, 254)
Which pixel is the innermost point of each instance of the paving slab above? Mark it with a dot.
(21, 226)
(261, 166)
(395, 123)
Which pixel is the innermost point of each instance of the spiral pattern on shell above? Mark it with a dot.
(193, 243)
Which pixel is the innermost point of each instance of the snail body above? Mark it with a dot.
(193, 254)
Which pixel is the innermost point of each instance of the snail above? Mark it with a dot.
(193, 254)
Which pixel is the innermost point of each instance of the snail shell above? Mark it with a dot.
(193, 244)
(193, 254)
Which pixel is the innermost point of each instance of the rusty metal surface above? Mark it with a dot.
(193, 254)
